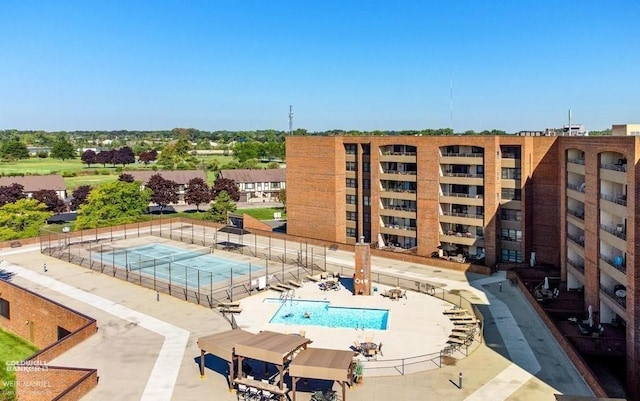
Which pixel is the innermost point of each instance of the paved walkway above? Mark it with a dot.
(134, 346)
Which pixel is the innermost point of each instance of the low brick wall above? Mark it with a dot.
(589, 377)
(55, 383)
(39, 320)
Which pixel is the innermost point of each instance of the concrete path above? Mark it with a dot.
(135, 345)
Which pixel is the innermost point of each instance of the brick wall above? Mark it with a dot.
(36, 319)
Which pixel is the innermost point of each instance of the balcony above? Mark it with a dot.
(462, 218)
(462, 158)
(461, 198)
(576, 239)
(617, 230)
(617, 262)
(576, 213)
(397, 175)
(615, 198)
(576, 265)
(462, 179)
(459, 238)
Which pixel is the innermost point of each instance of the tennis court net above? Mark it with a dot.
(145, 262)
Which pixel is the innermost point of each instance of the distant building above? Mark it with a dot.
(34, 183)
(625, 130)
(575, 130)
(180, 177)
(257, 185)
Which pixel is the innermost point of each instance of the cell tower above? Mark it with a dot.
(290, 120)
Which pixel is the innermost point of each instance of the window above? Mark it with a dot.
(350, 148)
(367, 218)
(366, 183)
(366, 167)
(352, 199)
(275, 185)
(352, 166)
(511, 235)
(351, 232)
(508, 255)
(511, 173)
(351, 183)
(352, 216)
(511, 214)
(4, 308)
(248, 185)
(367, 201)
(511, 194)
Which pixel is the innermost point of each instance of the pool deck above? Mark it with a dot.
(146, 349)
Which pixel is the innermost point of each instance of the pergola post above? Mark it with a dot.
(281, 369)
(231, 377)
(294, 380)
(202, 363)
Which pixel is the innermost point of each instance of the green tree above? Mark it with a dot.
(246, 150)
(178, 153)
(220, 207)
(112, 203)
(282, 197)
(22, 219)
(14, 149)
(62, 148)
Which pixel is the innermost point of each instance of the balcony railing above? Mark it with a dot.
(461, 195)
(576, 187)
(463, 175)
(399, 172)
(399, 153)
(617, 230)
(617, 262)
(576, 265)
(506, 155)
(577, 239)
(619, 199)
(469, 215)
(622, 301)
(400, 227)
(576, 161)
(614, 167)
(412, 191)
(577, 213)
(401, 208)
(461, 234)
(462, 154)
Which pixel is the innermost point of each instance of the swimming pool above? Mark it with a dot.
(321, 313)
(177, 265)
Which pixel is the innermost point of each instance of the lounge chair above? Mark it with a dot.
(230, 310)
(295, 283)
(277, 288)
(314, 278)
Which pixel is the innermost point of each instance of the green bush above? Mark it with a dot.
(69, 174)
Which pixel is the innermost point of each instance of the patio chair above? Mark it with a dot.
(266, 395)
(380, 349)
(357, 346)
(254, 394)
(242, 392)
(368, 339)
(371, 353)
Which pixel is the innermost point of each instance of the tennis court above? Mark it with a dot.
(177, 266)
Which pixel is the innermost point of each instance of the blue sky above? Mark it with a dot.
(363, 65)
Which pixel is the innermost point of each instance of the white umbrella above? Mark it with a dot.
(590, 316)
(546, 283)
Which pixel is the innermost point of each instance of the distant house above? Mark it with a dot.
(34, 183)
(257, 185)
(180, 177)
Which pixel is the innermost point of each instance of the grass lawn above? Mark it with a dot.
(12, 349)
(264, 213)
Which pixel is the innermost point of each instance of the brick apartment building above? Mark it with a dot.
(560, 200)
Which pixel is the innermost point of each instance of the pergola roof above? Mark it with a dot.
(222, 344)
(560, 397)
(270, 346)
(321, 363)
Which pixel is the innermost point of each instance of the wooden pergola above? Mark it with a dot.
(270, 347)
(324, 364)
(222, 345)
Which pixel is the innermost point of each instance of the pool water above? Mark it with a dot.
(321, 313)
